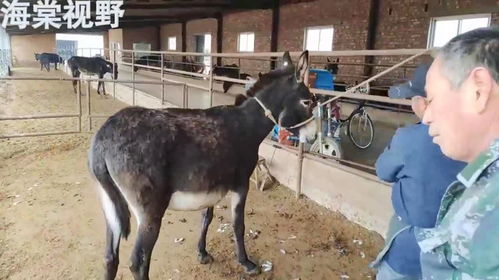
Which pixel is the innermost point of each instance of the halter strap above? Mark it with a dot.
(266, 111)
(269, 115)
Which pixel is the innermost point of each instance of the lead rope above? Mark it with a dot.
(269, 115)
(266, 111)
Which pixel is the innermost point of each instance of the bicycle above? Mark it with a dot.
(360, 128)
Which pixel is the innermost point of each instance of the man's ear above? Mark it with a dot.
(481, 85)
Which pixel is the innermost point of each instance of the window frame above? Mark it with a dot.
(459, 18)
(322, 27)
(169, 46)
(239, 42)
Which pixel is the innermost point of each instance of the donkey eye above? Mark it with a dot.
(306, 103)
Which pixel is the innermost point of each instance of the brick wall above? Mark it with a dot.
(259, 22)
(349, 19)
(24, 48)
(170, 30)
(147, 34)
(405, 25)
(401, 24)
(200, 27)
(116, 36)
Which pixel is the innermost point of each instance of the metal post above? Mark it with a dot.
(183, 95)
(78, 100)
(162, 76)
(186, 96)
(211, 81)
(89, 109)
(299, 170)
(114, 72)
(319, 125)
(133, 78)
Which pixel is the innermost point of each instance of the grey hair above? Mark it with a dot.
(465, 52)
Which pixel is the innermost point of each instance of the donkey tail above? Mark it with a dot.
(115, 207)
(114, 203)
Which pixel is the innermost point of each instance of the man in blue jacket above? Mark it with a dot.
(420, 174)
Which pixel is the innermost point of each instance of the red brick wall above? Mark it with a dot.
(199, 27)
(349, 19)
(147, 34)
(170, 30)
(259, 22)
(405, 25)
(401, 24)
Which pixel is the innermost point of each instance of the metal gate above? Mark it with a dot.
(66, 48)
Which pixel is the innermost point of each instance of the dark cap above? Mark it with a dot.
(413, 87)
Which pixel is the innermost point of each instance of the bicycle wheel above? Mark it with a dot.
(330, 147)
(361, 130)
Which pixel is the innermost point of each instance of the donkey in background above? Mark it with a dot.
(46, 58)
(148, 160)
(91, 66)
(230, 71)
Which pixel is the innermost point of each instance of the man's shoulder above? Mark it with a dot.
(415, 134)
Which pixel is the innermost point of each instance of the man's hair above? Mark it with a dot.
(476, 48)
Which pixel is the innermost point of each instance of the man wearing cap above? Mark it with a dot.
(462, 111)
(420, 174)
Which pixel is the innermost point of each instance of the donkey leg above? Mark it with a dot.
(112, 254)
(98, 88)
(238, 204)
(100, 84)
(146, 238)
(203, 256)
(104, 88)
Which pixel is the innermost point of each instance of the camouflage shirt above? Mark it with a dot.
(465, 243)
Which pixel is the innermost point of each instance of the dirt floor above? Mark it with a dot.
(52, 227)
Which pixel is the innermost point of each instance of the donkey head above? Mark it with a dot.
(284, 92)
(37, 56)
(332, 66)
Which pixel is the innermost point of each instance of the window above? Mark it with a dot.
(172, 43)
(319, 38)
(442, 30)
(246, 42)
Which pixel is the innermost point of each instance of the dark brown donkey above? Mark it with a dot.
(151, 160)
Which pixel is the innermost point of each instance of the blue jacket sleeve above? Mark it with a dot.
(391, 161)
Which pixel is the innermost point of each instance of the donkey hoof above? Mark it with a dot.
(252, 269)
(205, 258)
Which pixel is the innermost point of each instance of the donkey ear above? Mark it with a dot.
(286, 60)
(302, 67)
(328, 60)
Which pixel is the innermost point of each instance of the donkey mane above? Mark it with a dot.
(267, 79)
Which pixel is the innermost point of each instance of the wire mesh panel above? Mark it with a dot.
(4, 62)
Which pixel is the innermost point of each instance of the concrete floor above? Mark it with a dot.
(385, 122)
